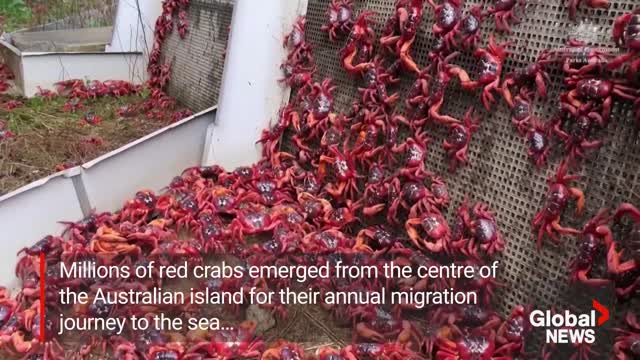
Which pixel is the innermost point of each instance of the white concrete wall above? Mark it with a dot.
(133, 29)
(250, 94)
(45, 69)
(33, 211)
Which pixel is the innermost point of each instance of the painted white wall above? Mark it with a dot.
(147, 163)
(46, 69)
(104, 184)
(133, 29)
(250, 95)
(31, 213)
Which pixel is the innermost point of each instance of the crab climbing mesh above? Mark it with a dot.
(499, 171)
(197, 60)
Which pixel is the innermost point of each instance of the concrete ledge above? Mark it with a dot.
(34, 211)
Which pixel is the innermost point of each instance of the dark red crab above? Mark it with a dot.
(447, 17)
(491, 60)
(426, 96)
(345, 171)
(299, 49)
(415, 151)
(479, 232)
(512, 333)
(581, 59)
(594, 4)
(454, 343)
(576, 132)
(539, 141)
(340, 14)
(528, 76)
(595, 240)
(437, 233)
(626, 34)
(400, 32)
(547, 220)
(597, 94)
(625, 270)
(457, 143)
(467, 31)
(504, 12)
(627, 341)
(356, 55)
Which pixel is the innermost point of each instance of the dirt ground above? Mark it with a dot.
(47, 139)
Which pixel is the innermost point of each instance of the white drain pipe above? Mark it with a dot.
(133, 26)
(250, 95)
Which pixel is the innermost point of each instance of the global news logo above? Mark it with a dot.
(569, 328)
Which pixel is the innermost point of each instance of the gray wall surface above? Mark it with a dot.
(198, 60)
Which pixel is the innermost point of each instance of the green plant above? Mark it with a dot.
(16, 14)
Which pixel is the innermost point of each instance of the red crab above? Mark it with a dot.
(512, 333)
(376, 191)
(626, 34)
(413, 196)
(627, 341)
(478, 231)
(400, 31)
(415, 149)
(356, 54)
(467, 31)
(582, 59)
(283, 350)
(345, 172)
(436, 229)
(91, 118)
(504, 12)
(453, 344)
(378, 79)
(597, 91)
(46, 94)
(72, 105)
(447, 16)
(457, 143)
(13, 104)
(237, 342)
(4, 133)
(491, 60)
(297, 75)
(319, 103)
(594, 4)
(547, 220)
(139, 209)
(340, 14)
(539, 141)
(576, 131)
(521, 114)
(534, 73)
(596, 239)
(626, 273)
(427, 93)
(183, 24)
(299, 49)
(387, 350)
(252, 219)
(377, 324)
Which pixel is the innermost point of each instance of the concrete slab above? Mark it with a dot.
(76, 40)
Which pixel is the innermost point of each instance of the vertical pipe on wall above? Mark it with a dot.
(250, 94)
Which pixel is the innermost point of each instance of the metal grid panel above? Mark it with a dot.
(500, 173)
(198, 60)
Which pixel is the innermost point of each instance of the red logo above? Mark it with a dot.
(604, 312)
